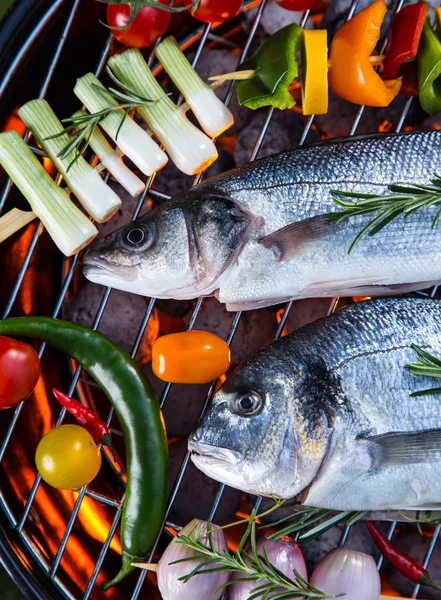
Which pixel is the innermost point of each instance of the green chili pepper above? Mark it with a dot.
(275, 69)
(429, 70)
(141, 421)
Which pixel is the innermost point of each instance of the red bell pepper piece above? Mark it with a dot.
(409, 84)
(405, 34)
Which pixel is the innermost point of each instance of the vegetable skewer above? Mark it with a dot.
(188, 147)
(95, 195)
(113, 162)
(212, 114)
(133, 141)
(70, 229)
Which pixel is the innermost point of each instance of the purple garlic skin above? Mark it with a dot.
(285, 555)
(348, 572)
(200, 586)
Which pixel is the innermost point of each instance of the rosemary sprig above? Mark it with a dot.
(136, 5)
(251, 565)
(81, 127)
(426, 365)
(404, 200)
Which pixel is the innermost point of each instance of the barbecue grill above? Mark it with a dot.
(59, 545)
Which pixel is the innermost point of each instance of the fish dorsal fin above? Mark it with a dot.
(286, 242)
(404, 448)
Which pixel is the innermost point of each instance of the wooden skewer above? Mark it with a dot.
(14, 220)
(147, 566)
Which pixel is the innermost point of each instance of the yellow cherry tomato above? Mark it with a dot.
(190, 357)
(67, 457)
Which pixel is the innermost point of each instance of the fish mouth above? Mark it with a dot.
(94, 268)
(208, 453)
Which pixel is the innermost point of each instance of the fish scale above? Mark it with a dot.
(345, 433)
(241, 251)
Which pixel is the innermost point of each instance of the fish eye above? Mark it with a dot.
(248, 405)
(138, 236)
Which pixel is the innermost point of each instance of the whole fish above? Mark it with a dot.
(259, 234)
(325, 414)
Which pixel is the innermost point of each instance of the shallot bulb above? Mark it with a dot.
(199, 586)
(348, 572)
(284, 555)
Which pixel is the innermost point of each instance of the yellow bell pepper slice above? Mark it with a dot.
(351, 74)
(315, 74)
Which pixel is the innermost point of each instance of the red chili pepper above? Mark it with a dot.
(404, 564)
(405, 34)
(87, 418)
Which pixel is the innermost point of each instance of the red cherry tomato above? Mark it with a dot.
(19, 371)
(298, 5)
(216, 11)
(149, 24)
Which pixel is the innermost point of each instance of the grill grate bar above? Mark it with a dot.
(428, 556)
(205, 35)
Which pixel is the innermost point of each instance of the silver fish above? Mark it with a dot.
(259, 234)
(325, 414)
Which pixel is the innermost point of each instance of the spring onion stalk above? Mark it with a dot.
(113, 162)
(133, 141)
(212, 114)
(188, 147)
(70, 229)
(95, 195)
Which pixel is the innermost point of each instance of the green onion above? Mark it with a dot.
(97, 197)
(70, 229)
(113, 161)
(212, 114)
(133, 141)
(188, 147)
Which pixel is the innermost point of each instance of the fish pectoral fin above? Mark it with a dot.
(403, 448)
(345, 287)
(286, 242)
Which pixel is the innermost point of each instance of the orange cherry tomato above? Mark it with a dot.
(190, 357)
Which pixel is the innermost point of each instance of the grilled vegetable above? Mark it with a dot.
(134, 142)
(429, 70)
(67, 458)
(190, 149)
(148, 26)
(350, 573)
(97, 197)
(407, 566)
(275, 69)
(215, 11)
(298, 5)
(325, 414)
(315, 72)
(111, 160)
(70, 229)
(170, 583)
(258, 234)
(190, 357)
(85, 417)
(407, 26)
(212, 114)
(284, 555)
(137, 409)
(351, 74)
(19, 371)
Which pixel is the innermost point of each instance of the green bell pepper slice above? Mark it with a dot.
(429, 70)
(275, 69)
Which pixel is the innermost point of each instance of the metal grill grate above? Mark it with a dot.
(19, 520)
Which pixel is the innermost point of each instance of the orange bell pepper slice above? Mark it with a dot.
(351, 73)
